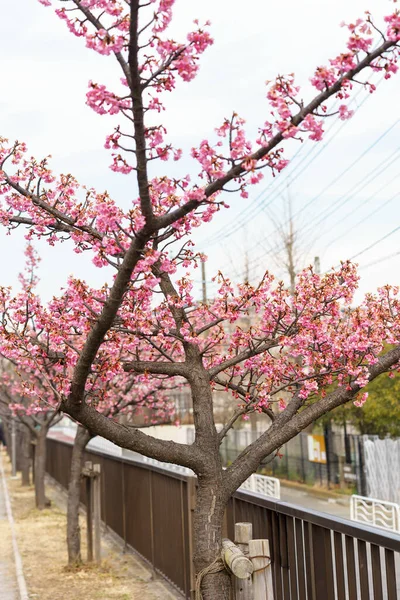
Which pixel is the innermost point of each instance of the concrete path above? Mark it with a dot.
(12, 581)
(8, 582)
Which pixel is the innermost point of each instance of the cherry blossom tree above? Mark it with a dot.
(37, 421)
(146, 321)
(40, 356)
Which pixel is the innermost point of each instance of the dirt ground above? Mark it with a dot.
(42, 544)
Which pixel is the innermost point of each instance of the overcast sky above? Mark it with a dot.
(343, 191)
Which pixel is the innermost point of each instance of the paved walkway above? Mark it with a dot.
(8, 582)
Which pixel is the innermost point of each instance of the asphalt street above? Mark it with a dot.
(332, 506)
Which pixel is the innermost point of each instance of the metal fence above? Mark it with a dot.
(344, 458)
(314, 556)
(146, 506)
(382, 466)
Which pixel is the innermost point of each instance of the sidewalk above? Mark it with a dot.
(8, 581)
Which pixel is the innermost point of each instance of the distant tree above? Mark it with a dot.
(380, 415)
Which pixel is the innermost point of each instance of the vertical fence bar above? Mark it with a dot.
(322, 562)
(376, 572)
(363, 569)
(123, 502)
(339, 566)
(291, 545)
(283, 550)
(329, 564)
(309, 558)
(351, 568)
(390, 575)
(276, 557)
(300, 559)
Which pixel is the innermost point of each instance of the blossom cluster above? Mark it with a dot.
(260, 342)
(302, 343)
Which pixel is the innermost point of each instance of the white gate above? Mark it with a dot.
(267, 486)
(375, 512)
(382, 468)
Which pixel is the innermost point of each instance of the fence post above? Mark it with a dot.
(91, 473)
(243, 588)
(259, 555)
(97, 512)
(191, 504)
(123, 503)
(243, 534)
(89, 522)
(361, 465)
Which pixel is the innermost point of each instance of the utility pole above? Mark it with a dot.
(289, 243)
(246, 268)
(203, 281)
(317, 265)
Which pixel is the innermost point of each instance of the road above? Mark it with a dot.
(305, 499)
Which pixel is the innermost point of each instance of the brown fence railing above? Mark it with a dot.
(146, 506)
(314, 556)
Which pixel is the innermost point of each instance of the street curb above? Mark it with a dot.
(23, 592)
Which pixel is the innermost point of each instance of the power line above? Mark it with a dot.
(368, 216)
(253, 210)
(257, 260)
(345, 198)
(385, 237)
(277, 247)
(347, 169)
(379, 260)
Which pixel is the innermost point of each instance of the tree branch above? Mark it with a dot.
(133, 439)
(231, 362)
(291, 422)
(157, 367)
(138, 116)
(98, 25)
(238, 170)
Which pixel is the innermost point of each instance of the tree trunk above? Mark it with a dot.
(208, 518)
(73, 530)
(40, 469)
(26, 456)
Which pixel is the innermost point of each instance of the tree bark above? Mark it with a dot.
(73, 530)
(40, 469)
(26, 457)
(208, 519)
